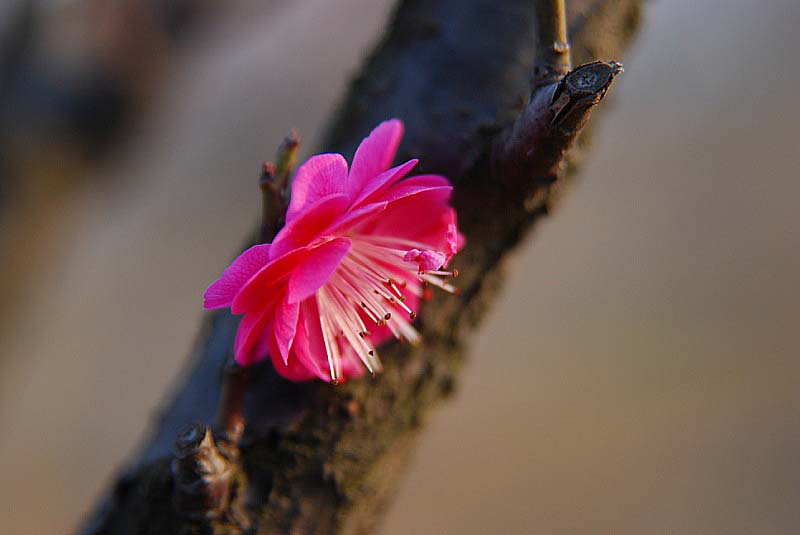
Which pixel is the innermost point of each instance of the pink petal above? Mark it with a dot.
(264, 281)
(413, 187)
(355, 217)
(455, 240)
(427, 260)
(251, 330)
(262, 347)
(351, 364)
(422, 217)
(316, 269)
(321, 176)
(222, 291)
(309, 347)
(285, 327)
(309, 224)
(374, 155)
(426, 181)
(376, 186)
(294, 369)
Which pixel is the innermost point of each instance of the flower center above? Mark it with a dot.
(370, 288)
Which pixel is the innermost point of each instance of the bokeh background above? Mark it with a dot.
(639, 374)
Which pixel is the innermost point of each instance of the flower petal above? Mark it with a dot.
(426, 260)
(251, 330)
(422, 217)
(374, 155)
(455, 240)
(413, 186)
(351, 364)
(309, 347)
(294, 369)
(264, 281)
(309, 224)
(316, 269)
(355, 217)
(376, 186)
(222, 291)
(321, 176)
(285, 327)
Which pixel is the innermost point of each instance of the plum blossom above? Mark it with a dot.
(348, 269)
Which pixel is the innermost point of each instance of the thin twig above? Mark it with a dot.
(274, 183)
(554, 61)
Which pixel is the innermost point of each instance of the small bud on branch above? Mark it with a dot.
(274, 184)
(202, 475)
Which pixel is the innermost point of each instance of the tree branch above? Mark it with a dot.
(318, 459)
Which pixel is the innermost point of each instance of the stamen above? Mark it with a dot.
(349, 328)
(453, 273)
(396, 290)
(369, 313)
(328, 350)
(405, 307)
(374, 277)
(433, 280)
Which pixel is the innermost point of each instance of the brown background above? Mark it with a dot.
(639, 374)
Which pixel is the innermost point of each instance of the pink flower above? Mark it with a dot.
(347, 270)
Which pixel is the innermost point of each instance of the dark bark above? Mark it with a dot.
(322, 459)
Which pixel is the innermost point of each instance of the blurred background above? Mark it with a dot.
(639, 373)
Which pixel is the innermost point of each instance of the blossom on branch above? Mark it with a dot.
(348, 269)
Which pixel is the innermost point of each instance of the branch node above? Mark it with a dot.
(203, 476)
(536, 144)
(554, 60)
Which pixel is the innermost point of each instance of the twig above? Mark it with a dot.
(559, 105)
(274, 183)
(553, 61)
(535, 145)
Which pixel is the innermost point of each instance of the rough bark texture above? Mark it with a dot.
(321, 459)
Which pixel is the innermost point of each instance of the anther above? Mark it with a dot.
(396, 290)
